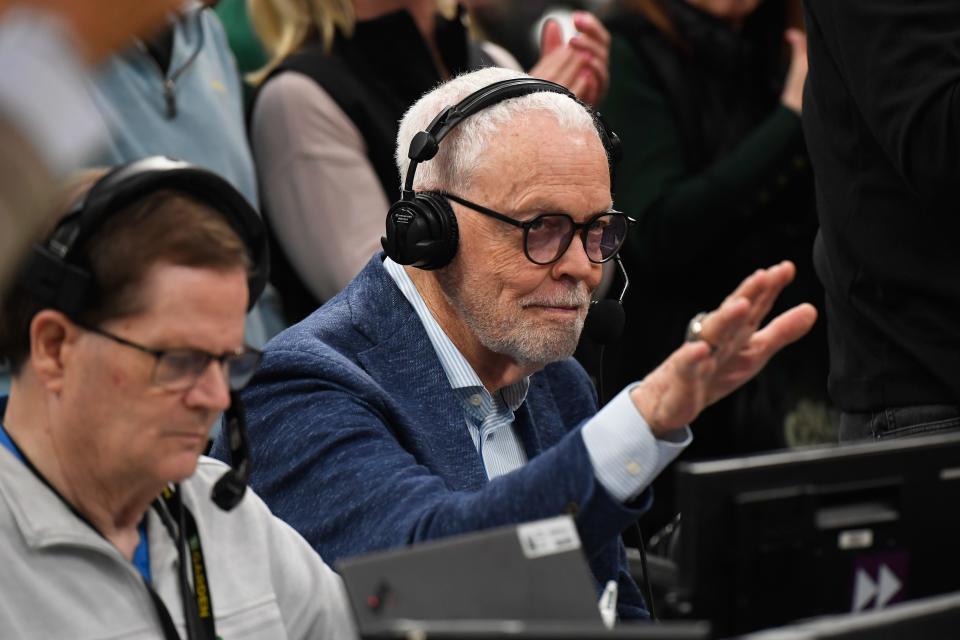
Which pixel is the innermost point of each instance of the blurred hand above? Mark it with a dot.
(104, 26)
(792, 96)
(733, 349)
(581, 65)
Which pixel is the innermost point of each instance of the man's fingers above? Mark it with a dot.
(788, 327)
(732, 325)
(723, 327)
(692, 360)
(762, 279)
(751, 286)
(762, 345)
(762, 287)
(780, 276)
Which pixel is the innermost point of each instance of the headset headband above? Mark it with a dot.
(425, 144)
(57, 274)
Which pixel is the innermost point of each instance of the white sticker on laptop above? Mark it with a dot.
(547, 537)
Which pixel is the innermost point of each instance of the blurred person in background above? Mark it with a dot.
(516, 25)
(342, 74)
(178, 94)
(49, 124)
(244, 42)
(706, 96)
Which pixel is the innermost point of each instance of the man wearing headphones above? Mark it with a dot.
(432, 401)
(125, 336)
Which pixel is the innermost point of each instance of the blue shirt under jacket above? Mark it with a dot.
(359, 442)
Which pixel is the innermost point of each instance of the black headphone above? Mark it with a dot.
(421, 227)
(57, 274)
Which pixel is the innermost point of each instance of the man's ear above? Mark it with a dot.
(52, 337)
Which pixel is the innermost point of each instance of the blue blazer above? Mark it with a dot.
(359, 442)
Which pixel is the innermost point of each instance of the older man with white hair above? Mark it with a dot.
(440, 397)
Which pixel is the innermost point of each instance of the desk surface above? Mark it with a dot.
(527, 630)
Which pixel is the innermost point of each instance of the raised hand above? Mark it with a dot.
(732, 350)
(581, 64)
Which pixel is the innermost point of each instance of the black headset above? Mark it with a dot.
(421, 227)
(57, 274)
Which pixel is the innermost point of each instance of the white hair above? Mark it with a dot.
(462, 150)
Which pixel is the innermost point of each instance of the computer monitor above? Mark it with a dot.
(772, 538)
(933, 618)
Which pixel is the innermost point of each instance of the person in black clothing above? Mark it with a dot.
(882, 122)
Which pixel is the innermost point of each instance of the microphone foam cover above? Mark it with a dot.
(228, 490)
(605, 322)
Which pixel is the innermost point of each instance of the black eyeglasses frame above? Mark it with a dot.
(158, 354)
(526, 225)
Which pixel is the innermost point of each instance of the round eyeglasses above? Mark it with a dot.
(548, 236)
(179, 369)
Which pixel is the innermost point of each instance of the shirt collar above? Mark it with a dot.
(459, 372)
(5, 440)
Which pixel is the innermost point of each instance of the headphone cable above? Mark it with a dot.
(647, 588)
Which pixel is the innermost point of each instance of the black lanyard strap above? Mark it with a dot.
(198, 601)
(166, 622)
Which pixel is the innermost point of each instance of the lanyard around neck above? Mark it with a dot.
(182, 527)
(197, 601)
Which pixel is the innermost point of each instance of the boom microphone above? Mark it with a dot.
(229, 489)
(606, 320)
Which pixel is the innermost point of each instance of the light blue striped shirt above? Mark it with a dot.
(626, 456)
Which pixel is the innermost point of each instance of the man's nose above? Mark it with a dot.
(211, 390)
(575, 264)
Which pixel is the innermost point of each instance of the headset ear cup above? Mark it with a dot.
(402, 222)
(56, 283)
(446, 230)
(421, 232)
